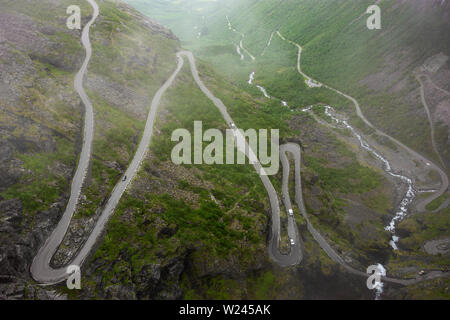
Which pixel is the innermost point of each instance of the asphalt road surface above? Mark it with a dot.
(295, 151)
(40, 269)
(430, 119)
(295, 256)
(444, 178)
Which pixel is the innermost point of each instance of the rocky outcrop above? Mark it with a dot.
(21, 237)
(154, 281)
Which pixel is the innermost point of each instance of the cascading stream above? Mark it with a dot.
(410, 194)
(406, 201)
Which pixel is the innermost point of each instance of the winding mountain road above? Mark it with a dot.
(295, 256)
(446, 203)
(444, 178)
(434, 85)
(241, 42)
(40, 269)
(295, 151)
(430, 119)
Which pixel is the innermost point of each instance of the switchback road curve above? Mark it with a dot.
(295, 151)
(40, 269)
(44, 273)
(444, 178)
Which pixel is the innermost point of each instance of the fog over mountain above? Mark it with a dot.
(114, 158)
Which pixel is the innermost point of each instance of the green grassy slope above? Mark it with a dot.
(375, 66)
(211, 221)
(41, 116)
(199, 231)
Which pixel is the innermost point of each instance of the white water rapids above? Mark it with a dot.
(378, 284)
(238, 50)
(252, 77)
(262, 89)
(410, 194)
(406, 201)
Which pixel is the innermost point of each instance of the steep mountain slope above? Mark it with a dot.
(375, 66)
(379, 68)
(182, 231)
(166, 255)
(41, 116)
(203, 229)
